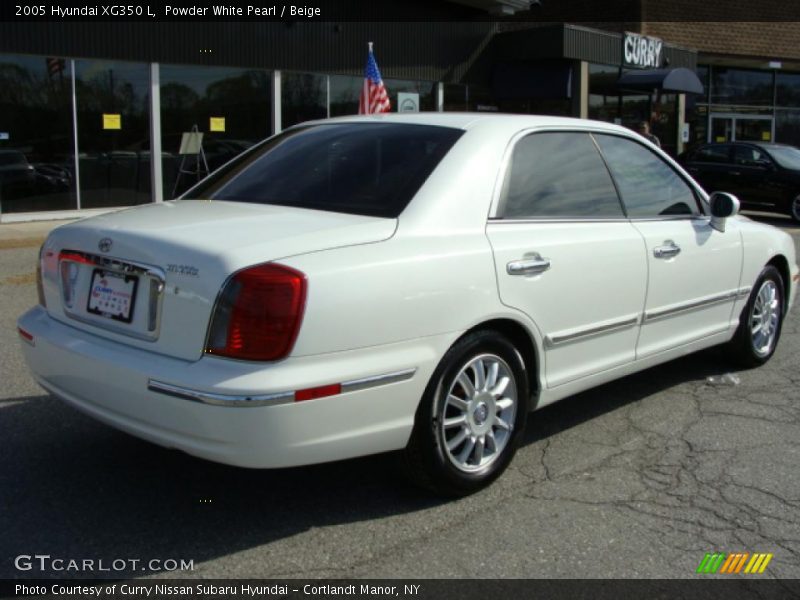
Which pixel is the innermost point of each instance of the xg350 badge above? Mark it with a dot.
(105, 244)
(188, 270)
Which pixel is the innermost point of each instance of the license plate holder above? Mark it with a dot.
(112, 295)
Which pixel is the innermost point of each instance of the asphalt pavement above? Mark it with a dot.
(638, 478)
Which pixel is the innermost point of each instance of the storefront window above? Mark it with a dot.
(425, 89)
(304, 97)
(697, 119)
(113, 130)
(787, 126)
(664, 121)
(788, 89)
(480, 99)
(603, 93)
(230, 106)
(455, 97)
(740, 86)
(37, 164)
(702, 75)
(345, 90)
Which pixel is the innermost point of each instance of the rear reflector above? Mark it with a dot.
(25, 335)
(39, 280)
(318, 392)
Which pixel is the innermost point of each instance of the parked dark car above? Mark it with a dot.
(763, 176)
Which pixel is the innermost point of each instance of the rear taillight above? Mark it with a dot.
(258, 314)
(39, 282)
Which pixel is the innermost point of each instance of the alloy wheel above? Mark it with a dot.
(765, 317)
(479, 413)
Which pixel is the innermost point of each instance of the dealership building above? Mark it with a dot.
(93, 113)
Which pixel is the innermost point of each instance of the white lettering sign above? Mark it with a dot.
(641, 51)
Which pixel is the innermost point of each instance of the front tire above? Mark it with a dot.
(760, 323)
(794, 208)
(471, 417)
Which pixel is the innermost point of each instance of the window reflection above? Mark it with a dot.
(238, 100)
(113, 121)
(36, 141)
(740, 86)
(304, 97)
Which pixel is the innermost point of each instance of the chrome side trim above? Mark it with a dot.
(554, 340)
(219, 399)
(697, 304)
(368, 382)
(238, 400)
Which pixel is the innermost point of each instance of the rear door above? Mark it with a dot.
(693, 269)
(567, 256)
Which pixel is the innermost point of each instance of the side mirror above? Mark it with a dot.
(723, 206)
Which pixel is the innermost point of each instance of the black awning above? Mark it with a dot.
(678, 80)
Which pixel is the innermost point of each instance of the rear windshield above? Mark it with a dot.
(371, 169)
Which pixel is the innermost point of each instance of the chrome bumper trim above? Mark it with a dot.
(219, 399)
(277, 398)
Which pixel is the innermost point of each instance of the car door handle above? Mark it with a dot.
(734, 173)
(668, 250)
(530, 265)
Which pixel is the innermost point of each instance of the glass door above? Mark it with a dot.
(742, 128)
(753, 130)
(721, 129)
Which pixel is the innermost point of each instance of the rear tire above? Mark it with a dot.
(760, 322)
(471, 417)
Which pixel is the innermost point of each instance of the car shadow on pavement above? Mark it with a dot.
(587, 405)
(73, 488)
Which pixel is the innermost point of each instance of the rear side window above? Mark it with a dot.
(648, 185)
(371, 169)
(713, 154)
(556, 175)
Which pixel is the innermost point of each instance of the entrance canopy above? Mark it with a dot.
(678, 80)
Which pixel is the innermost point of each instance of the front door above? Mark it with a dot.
(693, 269)
(567, 257)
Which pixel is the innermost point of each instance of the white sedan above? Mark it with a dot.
(406, 282)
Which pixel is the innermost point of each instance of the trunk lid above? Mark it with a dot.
(149, 276)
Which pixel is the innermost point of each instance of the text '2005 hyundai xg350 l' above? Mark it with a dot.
(408, 282)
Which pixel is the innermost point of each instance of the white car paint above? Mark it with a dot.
(385, 296)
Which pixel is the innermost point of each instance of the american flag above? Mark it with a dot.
(374, 98)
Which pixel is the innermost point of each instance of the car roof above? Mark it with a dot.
(468, 121)
(765, 145)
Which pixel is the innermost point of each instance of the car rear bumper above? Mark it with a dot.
(245, 413)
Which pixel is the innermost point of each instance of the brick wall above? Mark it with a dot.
(768, 40)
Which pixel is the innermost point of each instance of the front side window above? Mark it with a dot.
(558, 175)
(371, 169)
(648, 185)
(749, 156)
